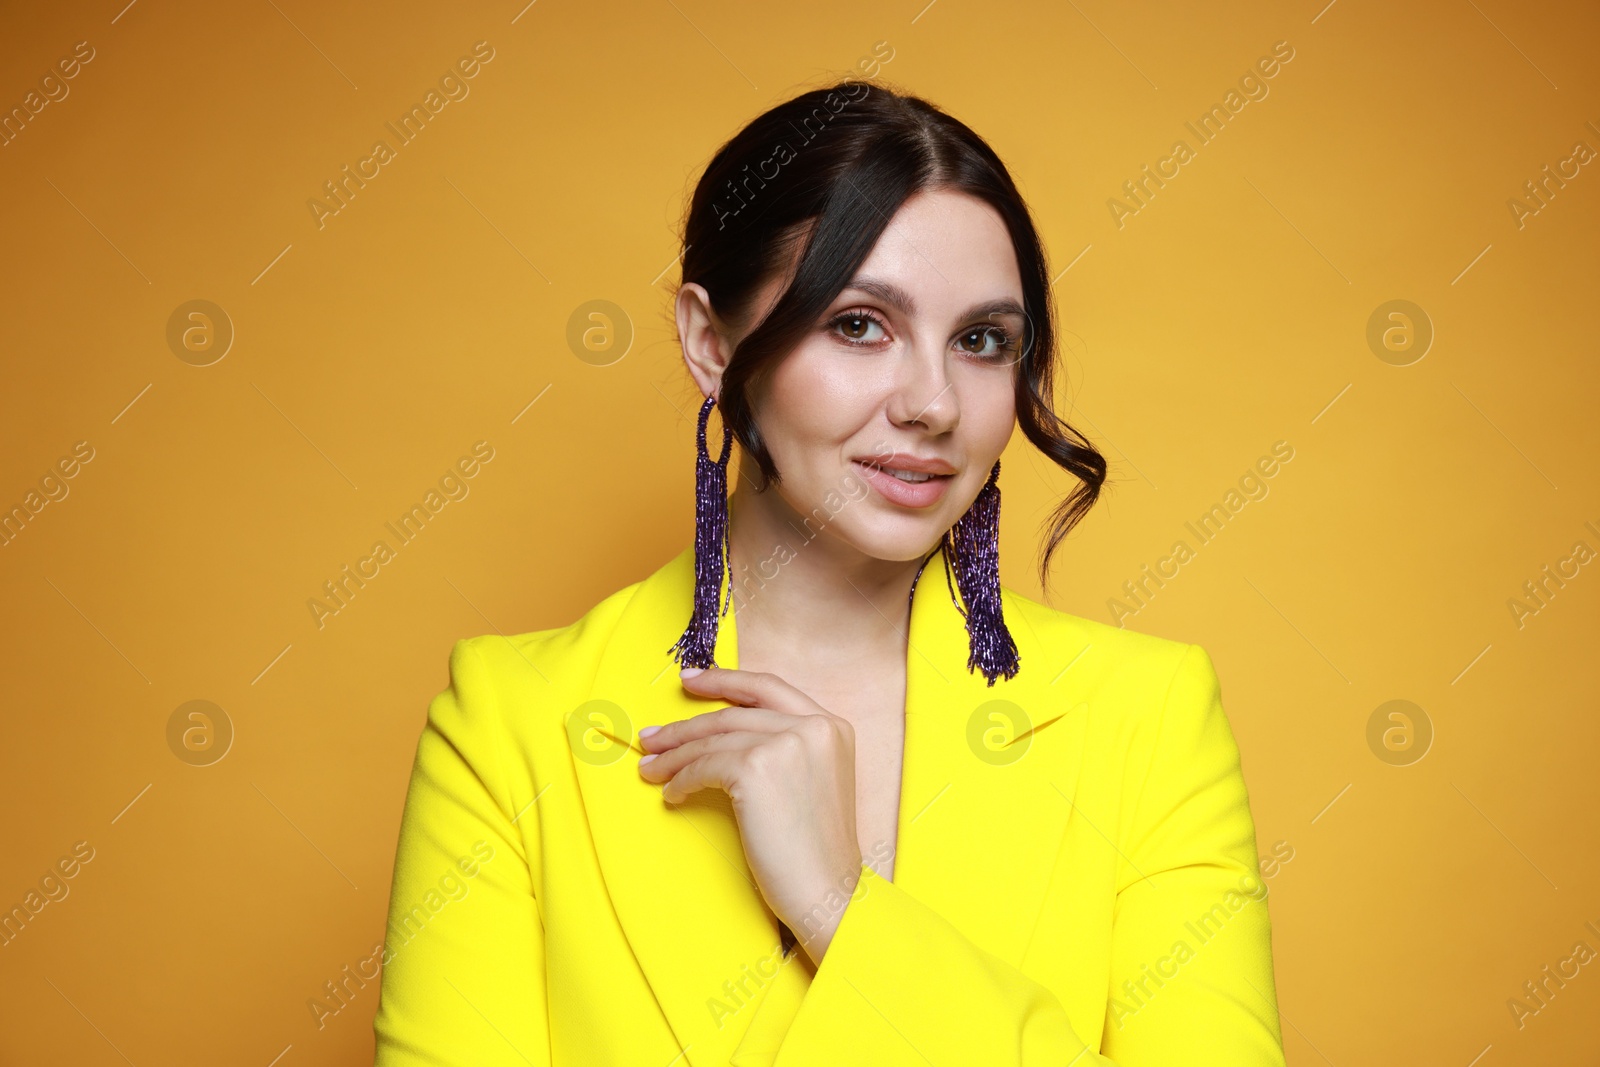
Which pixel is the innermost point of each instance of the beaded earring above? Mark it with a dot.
(974, 542)
(699, 640)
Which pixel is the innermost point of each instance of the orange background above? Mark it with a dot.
(373, 350)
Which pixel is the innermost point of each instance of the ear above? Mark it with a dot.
(703, 337)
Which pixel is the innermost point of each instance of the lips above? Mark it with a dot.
(905, 461)
(922, 493)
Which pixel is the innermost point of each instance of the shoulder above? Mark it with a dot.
(549, 657)
(1140, 693)
(504, 690)
(1071, 644)
(1155, 719)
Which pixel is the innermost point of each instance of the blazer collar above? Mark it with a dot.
(978, 835)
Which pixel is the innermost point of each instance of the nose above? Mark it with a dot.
(924, 394)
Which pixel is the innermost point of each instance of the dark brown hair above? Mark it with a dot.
(825, 171)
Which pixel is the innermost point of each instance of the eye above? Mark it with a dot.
(853, 327)
(991, 342)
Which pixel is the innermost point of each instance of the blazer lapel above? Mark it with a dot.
(677, 876)
(986, 785)
(988, 771)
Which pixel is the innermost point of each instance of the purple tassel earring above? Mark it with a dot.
(974, 541)
(699, 640)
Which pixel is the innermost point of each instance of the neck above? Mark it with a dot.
(797, 586)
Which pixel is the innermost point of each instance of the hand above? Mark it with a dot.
(789, 766)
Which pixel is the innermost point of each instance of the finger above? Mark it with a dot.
(751, 688)
(706, 723)
(722, 770)
(659, 767)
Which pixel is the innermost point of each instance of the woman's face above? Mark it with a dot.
(912, 368)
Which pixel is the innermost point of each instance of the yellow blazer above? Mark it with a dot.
(1075, 880)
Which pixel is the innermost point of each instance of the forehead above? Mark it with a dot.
(943, 248)
(946, 246)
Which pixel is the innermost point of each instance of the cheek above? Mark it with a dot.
(988, 411)
(817, 400)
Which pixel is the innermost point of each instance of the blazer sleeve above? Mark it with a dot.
(900, 985)
(463, 962)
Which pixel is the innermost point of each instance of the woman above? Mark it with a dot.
(888, 820)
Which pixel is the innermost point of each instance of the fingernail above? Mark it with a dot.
(646, 759)
(646, 731)
(689, 672)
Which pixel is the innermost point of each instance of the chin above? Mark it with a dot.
(909, 538)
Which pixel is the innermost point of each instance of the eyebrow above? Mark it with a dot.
(898, 298)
